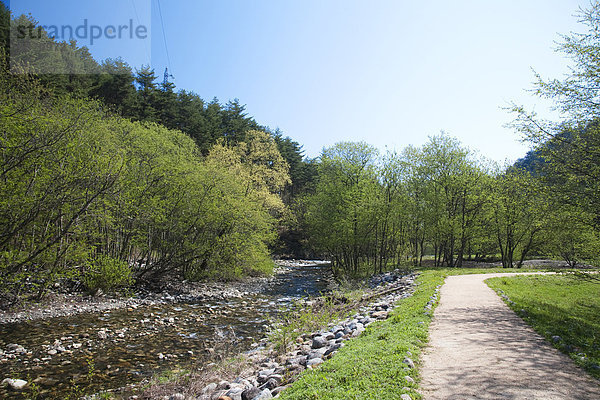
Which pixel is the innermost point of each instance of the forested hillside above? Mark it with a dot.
(110, 177)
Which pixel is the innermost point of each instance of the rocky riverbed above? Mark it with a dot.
(60, 302)
(185, 326)
(270, 373)
(87, 345)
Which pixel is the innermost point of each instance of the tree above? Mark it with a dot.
(342, 212)
(445, 187)
(570, 147)
(145, 80)
(115, 86)
(518, 208)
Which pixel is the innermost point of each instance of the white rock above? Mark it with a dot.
(264, 395)
(15, 384)
(314, 362)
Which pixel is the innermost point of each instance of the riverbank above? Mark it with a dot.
(290, 349)
(82, 353)
(61, 302)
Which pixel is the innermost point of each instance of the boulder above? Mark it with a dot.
(318, 353)
(251, 393)
(332, 349)
(318, 342)
(235, 393)
(211, 387)
(270, 384)
(264, 395)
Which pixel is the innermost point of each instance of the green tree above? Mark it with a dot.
(145, 80)
(570, 147)
(518, 216)
(342, 210)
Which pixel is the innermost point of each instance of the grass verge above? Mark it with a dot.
(371, 366)
(563, 309)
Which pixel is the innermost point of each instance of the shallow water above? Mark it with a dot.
(183, 334)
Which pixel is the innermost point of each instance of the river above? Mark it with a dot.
(85, 353)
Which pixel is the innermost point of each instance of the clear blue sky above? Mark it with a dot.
(387, 72)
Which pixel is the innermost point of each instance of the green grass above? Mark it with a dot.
(469, 271)
(559, 305)
(370, 366)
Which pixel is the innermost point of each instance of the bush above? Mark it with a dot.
(107, 274)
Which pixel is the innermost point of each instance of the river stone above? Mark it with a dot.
(251, 393)
(224, 385)
(328, 335)
(263, 375)
(379, 315)
(270, 384)
(405, 397)
(15, 384)
(314, 362)
(279, 389)
(409, 380)
(332, 349)
(409, 362)
(359, 329)
(296, 360)
(264, 395)
(177, 396)
(211, 387)
(277, 377)
(336, 328)
(318, 342)
(318, 353)
(235, 393)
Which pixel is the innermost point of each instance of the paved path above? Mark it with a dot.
(480, 349)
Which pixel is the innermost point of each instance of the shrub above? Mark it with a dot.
(107, 274)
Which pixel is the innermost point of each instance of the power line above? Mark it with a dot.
(162, 24)
(137, 17)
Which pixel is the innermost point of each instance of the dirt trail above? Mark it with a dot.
(480, 349)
